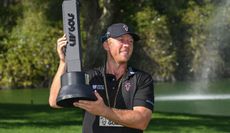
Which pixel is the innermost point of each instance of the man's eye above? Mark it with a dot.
(130, 41)
(120, 39)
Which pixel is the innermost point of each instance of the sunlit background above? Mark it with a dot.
(185, 46)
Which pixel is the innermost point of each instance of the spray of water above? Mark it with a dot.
(193, 97)
(212, 63)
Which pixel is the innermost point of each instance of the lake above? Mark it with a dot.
(205, 98)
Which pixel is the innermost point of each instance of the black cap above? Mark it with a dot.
(118, 29)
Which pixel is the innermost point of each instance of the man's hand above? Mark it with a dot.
(138, 118)
(97, 107)
(61, 44)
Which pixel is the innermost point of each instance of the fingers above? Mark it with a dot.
(85, 103)
(63, 38)
(97, 107)
(81, 104)
(61, 43)
(97, 95)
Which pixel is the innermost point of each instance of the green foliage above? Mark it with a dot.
(179, 39)
(156, 43)
(154, 53)
(30, 58)
(7, 21)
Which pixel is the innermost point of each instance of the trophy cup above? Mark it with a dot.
(74, 83)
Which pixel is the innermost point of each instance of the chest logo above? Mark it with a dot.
(98, 87)
(127, 86)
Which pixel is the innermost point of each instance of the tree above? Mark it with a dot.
(29, 59)
(96, 16)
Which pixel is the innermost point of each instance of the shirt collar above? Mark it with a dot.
(130, 72)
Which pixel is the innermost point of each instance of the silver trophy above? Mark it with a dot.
(74, 83)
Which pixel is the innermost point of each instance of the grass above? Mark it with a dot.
(27, 118)
(26, 111)
(22, 118)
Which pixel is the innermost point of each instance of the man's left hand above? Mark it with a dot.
(97, 107)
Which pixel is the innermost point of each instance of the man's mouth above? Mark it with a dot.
(124, 52)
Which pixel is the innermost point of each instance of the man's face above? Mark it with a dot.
(119, 49)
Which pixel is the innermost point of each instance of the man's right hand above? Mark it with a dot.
(61, 44)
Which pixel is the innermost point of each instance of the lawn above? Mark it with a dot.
(20, 113)
(27, 118)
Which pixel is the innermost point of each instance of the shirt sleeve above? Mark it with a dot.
(144, 95)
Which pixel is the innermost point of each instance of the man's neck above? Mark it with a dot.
(116, 69)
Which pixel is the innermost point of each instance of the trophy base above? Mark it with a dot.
(74, 89)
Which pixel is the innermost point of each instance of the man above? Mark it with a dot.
(124, 95)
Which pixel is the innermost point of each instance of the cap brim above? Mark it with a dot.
(135, 36)
(103, 38)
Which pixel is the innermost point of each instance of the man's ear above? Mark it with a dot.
(106, 45)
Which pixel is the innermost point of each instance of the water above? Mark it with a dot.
(180, 98)
(191, 97)
(170, 97)
(24, 96)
